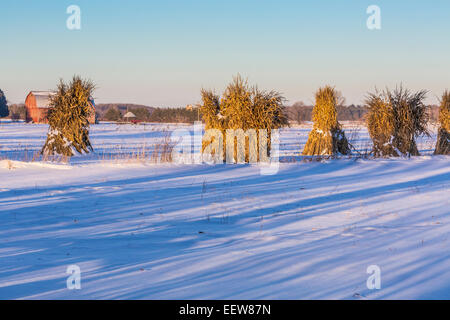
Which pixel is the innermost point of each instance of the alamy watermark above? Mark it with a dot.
(374, 280)
(374, 19)
(73, 282)
(234, 146)
(73, 22)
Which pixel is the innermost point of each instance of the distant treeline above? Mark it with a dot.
(299, 112)
(177, 115)
(17, 112)
(116, 112)
(296, 113)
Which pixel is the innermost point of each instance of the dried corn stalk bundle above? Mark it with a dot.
(68, 118)
(210, 110)
(380, 123)
(245, 110)
(443, 141)
(396, 118)
(327, 137)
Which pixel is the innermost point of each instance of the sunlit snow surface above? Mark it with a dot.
(165, 231)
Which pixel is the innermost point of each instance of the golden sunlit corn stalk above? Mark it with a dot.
(242, 107)
(443, 140)
(396, 118)
(68, 119)
(327, 137)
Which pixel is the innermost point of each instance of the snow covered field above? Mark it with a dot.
(165, 231)
(20, 141)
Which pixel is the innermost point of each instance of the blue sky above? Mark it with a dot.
(161, 53)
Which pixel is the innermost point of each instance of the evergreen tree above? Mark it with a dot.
(142, 114)
(68, 118)
(4, 112)
(113, 114)
(443, 141)
(173, 115)
(327, 136)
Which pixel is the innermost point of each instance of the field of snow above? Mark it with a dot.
(22, 142)
(166, 231)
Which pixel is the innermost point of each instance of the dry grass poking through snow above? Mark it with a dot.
(160, 152)
(151, 143)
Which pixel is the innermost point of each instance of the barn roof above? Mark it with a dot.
(42, 98)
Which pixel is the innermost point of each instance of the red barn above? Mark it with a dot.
(37, 104)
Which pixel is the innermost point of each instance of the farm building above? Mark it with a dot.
(37, 104)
